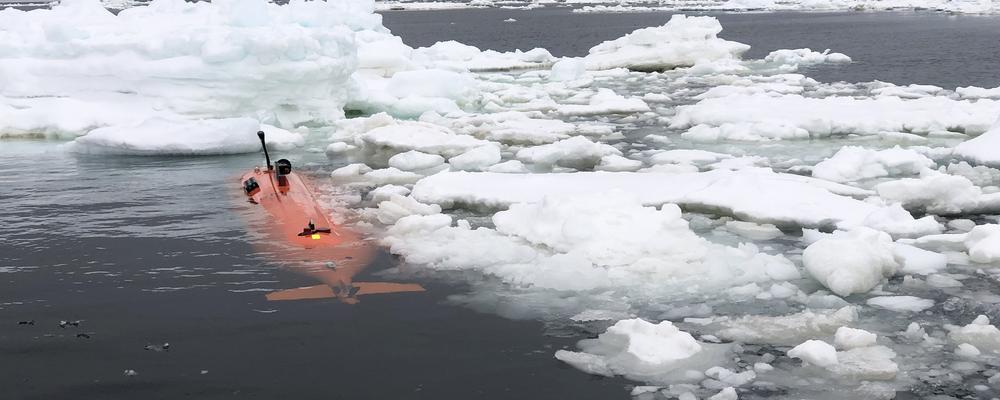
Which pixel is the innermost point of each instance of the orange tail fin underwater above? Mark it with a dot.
(356, 289)
(297, 229)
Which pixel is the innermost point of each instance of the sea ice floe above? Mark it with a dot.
(898, 222)
(758, 114)
(815, 352)
(979, 333)
(682, 42)
(754, 231)
(974, 92)
(983, 149)
(587, 242)
(157, 136)
(510, 127)
(398, 206)
(65, 117)
(754, 194)
(477, 159)
(219, 59)
(645, 351)
(901, 303)
(854, 163)
(914, 260)
(568, 69)
(459, 56)
(605, 101)
(983, 243)
(576, 152)
(786, 329)
(404, 136)
(853, 262)
(847, 338)
(415, 161)
(939, 193)
(617, 163)
(805, 57)
(866, 364)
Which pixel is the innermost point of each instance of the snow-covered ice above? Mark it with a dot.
(848, 338)
(158, 136)
(901, 303)
(854, 262)
(853, 163)
(983, 149)
(644, 350)
(682, 42)
(751, 194)
(815, 352)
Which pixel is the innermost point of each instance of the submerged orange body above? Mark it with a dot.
(299, 234)
(292, 208)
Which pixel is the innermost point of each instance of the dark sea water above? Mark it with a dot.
(902, 47)
(148, 250)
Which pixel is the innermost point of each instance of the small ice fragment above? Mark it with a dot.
(853, 262)
(850, 338)
(816, 352)
(966, 350)
(762, 367)
(130, 372)
(980, 333)
(901, 303)
(914, 332)
(726, 394)
(942, 281)
(645, 389)
(754, 231)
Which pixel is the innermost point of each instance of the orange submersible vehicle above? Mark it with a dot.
(300, 236)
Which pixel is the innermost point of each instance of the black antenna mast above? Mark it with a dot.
(260, 134)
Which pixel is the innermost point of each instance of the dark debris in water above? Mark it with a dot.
(64, 324)
(28, 322)
(158, 347)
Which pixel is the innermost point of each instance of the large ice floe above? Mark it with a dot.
(719, 227)
(219, 59)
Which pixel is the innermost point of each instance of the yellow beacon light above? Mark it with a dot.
(315, 236)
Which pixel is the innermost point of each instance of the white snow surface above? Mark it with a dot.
(158, 136)
(838, 115)
(854, 163)
(586, 242)
(758, 195)
(218, 59)
(983, 149)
